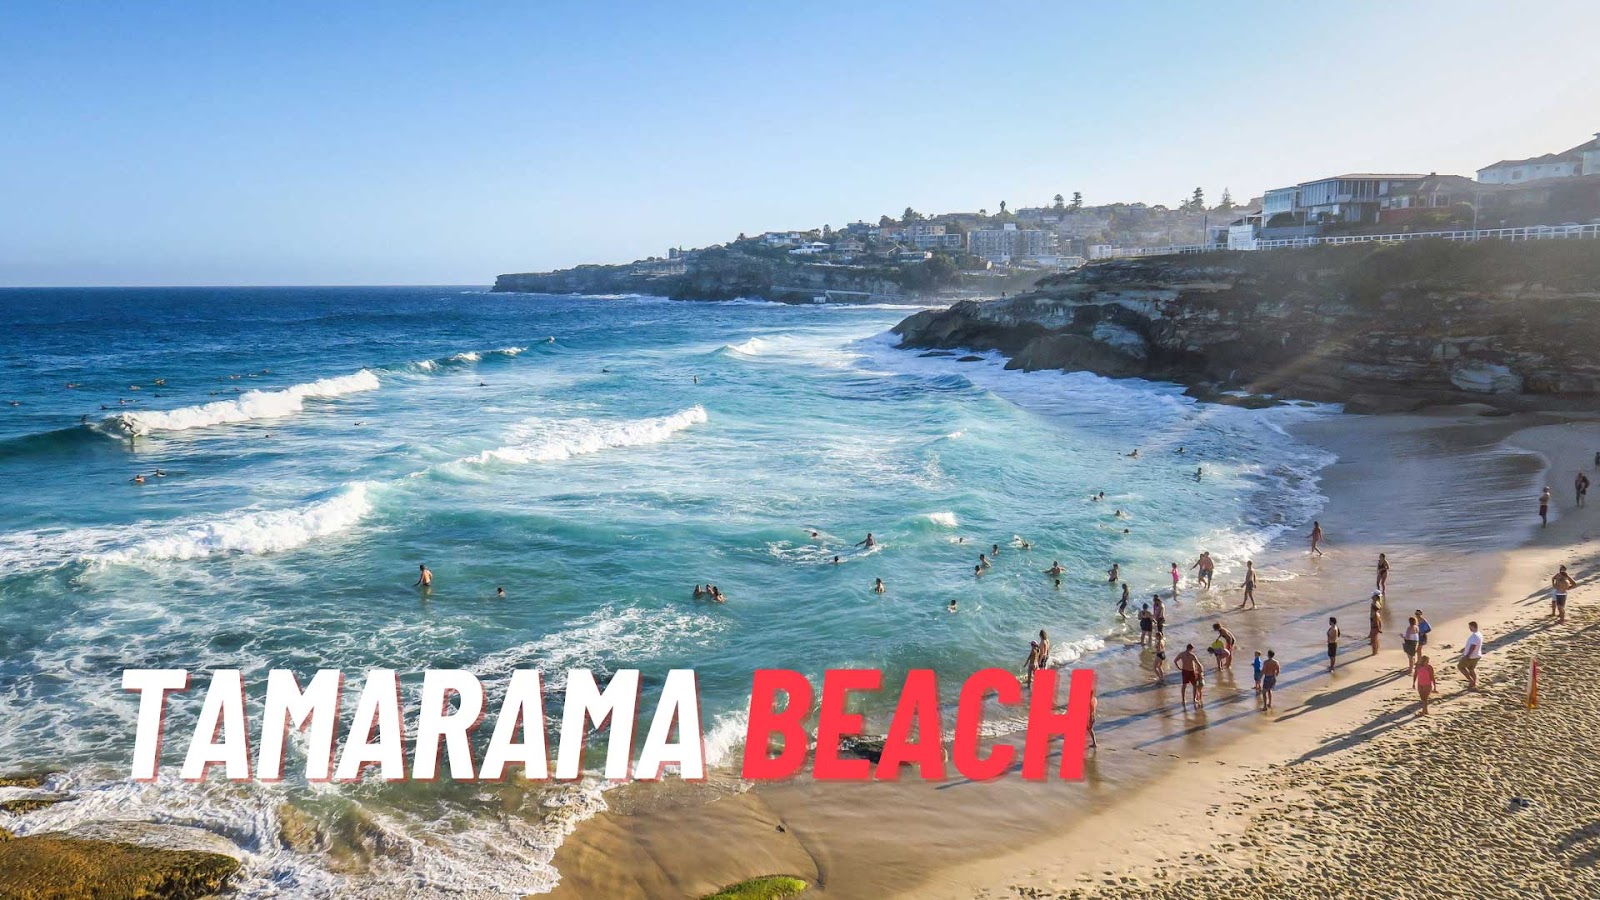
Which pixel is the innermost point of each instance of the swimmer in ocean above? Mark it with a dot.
(424, 578)
(994, 551)
(837, 560)
(1114, 573)
(977, 571)
(696, 379)
(137, 479)
(983, 561)
(877, 586)
(1058, 584)
(500, 593)
(1055, 569)
(867, 542)
(698, 593)
(1122, 605)
(952, 606)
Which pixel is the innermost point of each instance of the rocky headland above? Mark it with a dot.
(1378, 328)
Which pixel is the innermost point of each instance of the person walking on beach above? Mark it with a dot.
(1160, 664)
(1333, 641)
(1383, 573)
(1158, 611)
(1269, 678)
(1147, 625)
(1249, 585)
(1094, 713)
(1122, 605)
(1375, 622)
(1544, 507)
(1316, 538)
(1423, 627)
(1409, 641)
(424, 579)
(1193, 672)
(1422, 680)
(1560, 583)
(1471, 652)
(1580, 486)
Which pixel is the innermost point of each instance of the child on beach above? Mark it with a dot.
(1255, 670)
(1375, 622)
(1175, 579)
(1422, 680)
(1160, 665)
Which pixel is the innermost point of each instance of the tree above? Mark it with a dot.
(1226, 203)
(983, 214)
(1061, 202)
(910, 215)
(1198, 201)
(1002, 207)
(885, 222)
(1077, 200)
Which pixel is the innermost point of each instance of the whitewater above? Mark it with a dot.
(301, 452)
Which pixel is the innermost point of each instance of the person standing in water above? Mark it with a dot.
(1544, 507)
(1333, 641)
(1560, 583)
(1249, 585)
(1206, 567)
(983, 561)
(1044, 649)
(1316, 538)
(877, 587)
(1055, 569)
(1580, 487)
(1255, 671)
(424, 579)
(1158, 611)
(1114, 573)
(1122, 605)
(1383, 573)
(1032, 663)
(1175, 579)
(1160, 664)
(1147, 625)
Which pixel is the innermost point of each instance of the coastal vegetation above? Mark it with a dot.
(771, 887)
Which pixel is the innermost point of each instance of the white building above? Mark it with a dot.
(1583, 159)
(1004, 244)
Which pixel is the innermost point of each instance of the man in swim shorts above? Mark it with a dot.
(1559, 585)
(1269, 678)
(1333, 641)
(1193, 672)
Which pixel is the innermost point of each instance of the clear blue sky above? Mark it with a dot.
(296, 143)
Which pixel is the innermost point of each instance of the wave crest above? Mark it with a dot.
(247, 407)
(576, 437)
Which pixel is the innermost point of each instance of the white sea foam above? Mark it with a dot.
(943, 519)
(253, 533)
(609, 635)
(555, 440)
(247, 407)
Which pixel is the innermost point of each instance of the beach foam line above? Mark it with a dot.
(251, 533)
(247, 407)
(553, 441)
(466, 357)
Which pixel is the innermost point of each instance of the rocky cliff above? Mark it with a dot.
(723, 274)
(1377, 328)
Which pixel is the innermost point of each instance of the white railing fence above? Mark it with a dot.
(1528, 233)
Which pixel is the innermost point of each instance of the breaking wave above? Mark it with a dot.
(553, 441)
(247, 407)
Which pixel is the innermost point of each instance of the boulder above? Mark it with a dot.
(1486, 378)
(57, 867)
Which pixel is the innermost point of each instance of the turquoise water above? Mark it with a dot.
(318, 444)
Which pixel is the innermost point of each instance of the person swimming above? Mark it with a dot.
(867, 542)
(499, 593)
(137, 479)
(977, 571)
(1114, 573)
(983, 561)
(1055, 569)
(952, 606)
(424, 577)
(837, 560)
(698, 593)
(877, 587)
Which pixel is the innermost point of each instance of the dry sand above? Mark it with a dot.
(1341, 791)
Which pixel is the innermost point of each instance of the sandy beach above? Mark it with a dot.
(1341, 788)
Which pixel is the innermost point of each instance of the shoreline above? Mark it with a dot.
(959, 840)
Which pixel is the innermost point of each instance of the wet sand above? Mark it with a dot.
(1446, 495)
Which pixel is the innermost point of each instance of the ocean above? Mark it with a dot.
(595, 456)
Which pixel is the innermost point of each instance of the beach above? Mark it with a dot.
(1340, 790)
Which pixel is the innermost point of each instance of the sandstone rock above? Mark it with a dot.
(56, 867)
(1486, 378)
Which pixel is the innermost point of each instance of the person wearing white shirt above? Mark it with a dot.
(1471, 652)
